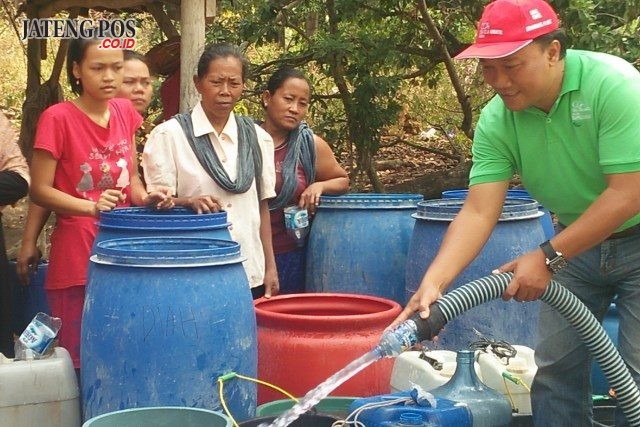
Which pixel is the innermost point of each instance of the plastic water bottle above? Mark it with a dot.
(411, 331)
(296, 221)
(37, 336)
(400, 339)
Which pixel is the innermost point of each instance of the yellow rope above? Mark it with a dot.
(513, 405)
(224, 404)
(523, 384)
(230, 375)
(265, 383)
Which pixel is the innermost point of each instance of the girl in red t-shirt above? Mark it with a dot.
(83, 163)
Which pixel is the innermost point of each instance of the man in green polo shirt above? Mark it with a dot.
(567, 121)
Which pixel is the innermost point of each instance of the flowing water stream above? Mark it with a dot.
(320, 392)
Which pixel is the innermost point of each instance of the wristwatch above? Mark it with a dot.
(554, 259)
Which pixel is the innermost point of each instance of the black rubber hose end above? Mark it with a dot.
(430, 327)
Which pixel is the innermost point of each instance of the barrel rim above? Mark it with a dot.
(514, 209)
(97, 418)
(144, 218)
(144, 252)
(512, 193)
(519, 191)
(163, 225)
(267, 318)
(374, 200)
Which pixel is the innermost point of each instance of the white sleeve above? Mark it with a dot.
(268, 177)
(158, 160)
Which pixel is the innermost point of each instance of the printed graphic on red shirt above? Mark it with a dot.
(108, 167)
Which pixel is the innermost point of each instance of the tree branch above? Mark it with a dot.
(163, 20)
(463, 98)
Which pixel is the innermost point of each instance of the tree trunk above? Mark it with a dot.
(311, 24)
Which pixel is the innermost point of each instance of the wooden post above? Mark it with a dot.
(192, 15)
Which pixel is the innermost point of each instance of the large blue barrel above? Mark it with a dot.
(358, 244)
(518, 231)
(28, 300)
(146, 222)
(546, 220)
(610, 324)
(163, 319)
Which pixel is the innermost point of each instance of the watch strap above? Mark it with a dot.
(548, 250)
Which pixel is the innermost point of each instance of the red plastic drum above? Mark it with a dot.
(305, 338)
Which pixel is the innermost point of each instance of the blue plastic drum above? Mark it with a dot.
(518, 231)
(358, 244)
(28, 300)
(163, 319)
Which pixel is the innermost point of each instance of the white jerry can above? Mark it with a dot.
(39, 392)
(522, 366)
(432, 369)
(428, 369)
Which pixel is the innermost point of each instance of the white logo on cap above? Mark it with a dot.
(485, 28)
(538, 25)
(535, 14)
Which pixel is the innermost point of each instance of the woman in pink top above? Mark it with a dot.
(305, 168)
(137, 87)
(83, 164)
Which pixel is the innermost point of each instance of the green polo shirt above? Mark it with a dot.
(592, 130)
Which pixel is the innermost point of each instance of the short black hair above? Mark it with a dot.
(75, 53)
(283, 74)
(221, 50)
(559, 35)
(132, 54)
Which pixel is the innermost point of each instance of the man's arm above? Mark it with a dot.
(617, 203)
(464, 239)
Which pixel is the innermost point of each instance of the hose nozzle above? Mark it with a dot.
(427, 329)
(412, 331)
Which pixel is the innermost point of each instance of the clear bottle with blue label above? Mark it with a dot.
(296, 222)
(37, 336)
(401, 338)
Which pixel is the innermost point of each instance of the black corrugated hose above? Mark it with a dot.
(571, 308)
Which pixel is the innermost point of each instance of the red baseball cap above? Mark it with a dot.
(506, 26)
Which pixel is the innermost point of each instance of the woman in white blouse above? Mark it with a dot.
(213, 160)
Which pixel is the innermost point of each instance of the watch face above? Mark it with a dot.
(557, 264)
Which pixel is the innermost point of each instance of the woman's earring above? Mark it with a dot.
(78, 82)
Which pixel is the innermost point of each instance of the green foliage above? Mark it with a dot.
(373, 63)
(609, 26)
(371, 59)
(357, 55)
